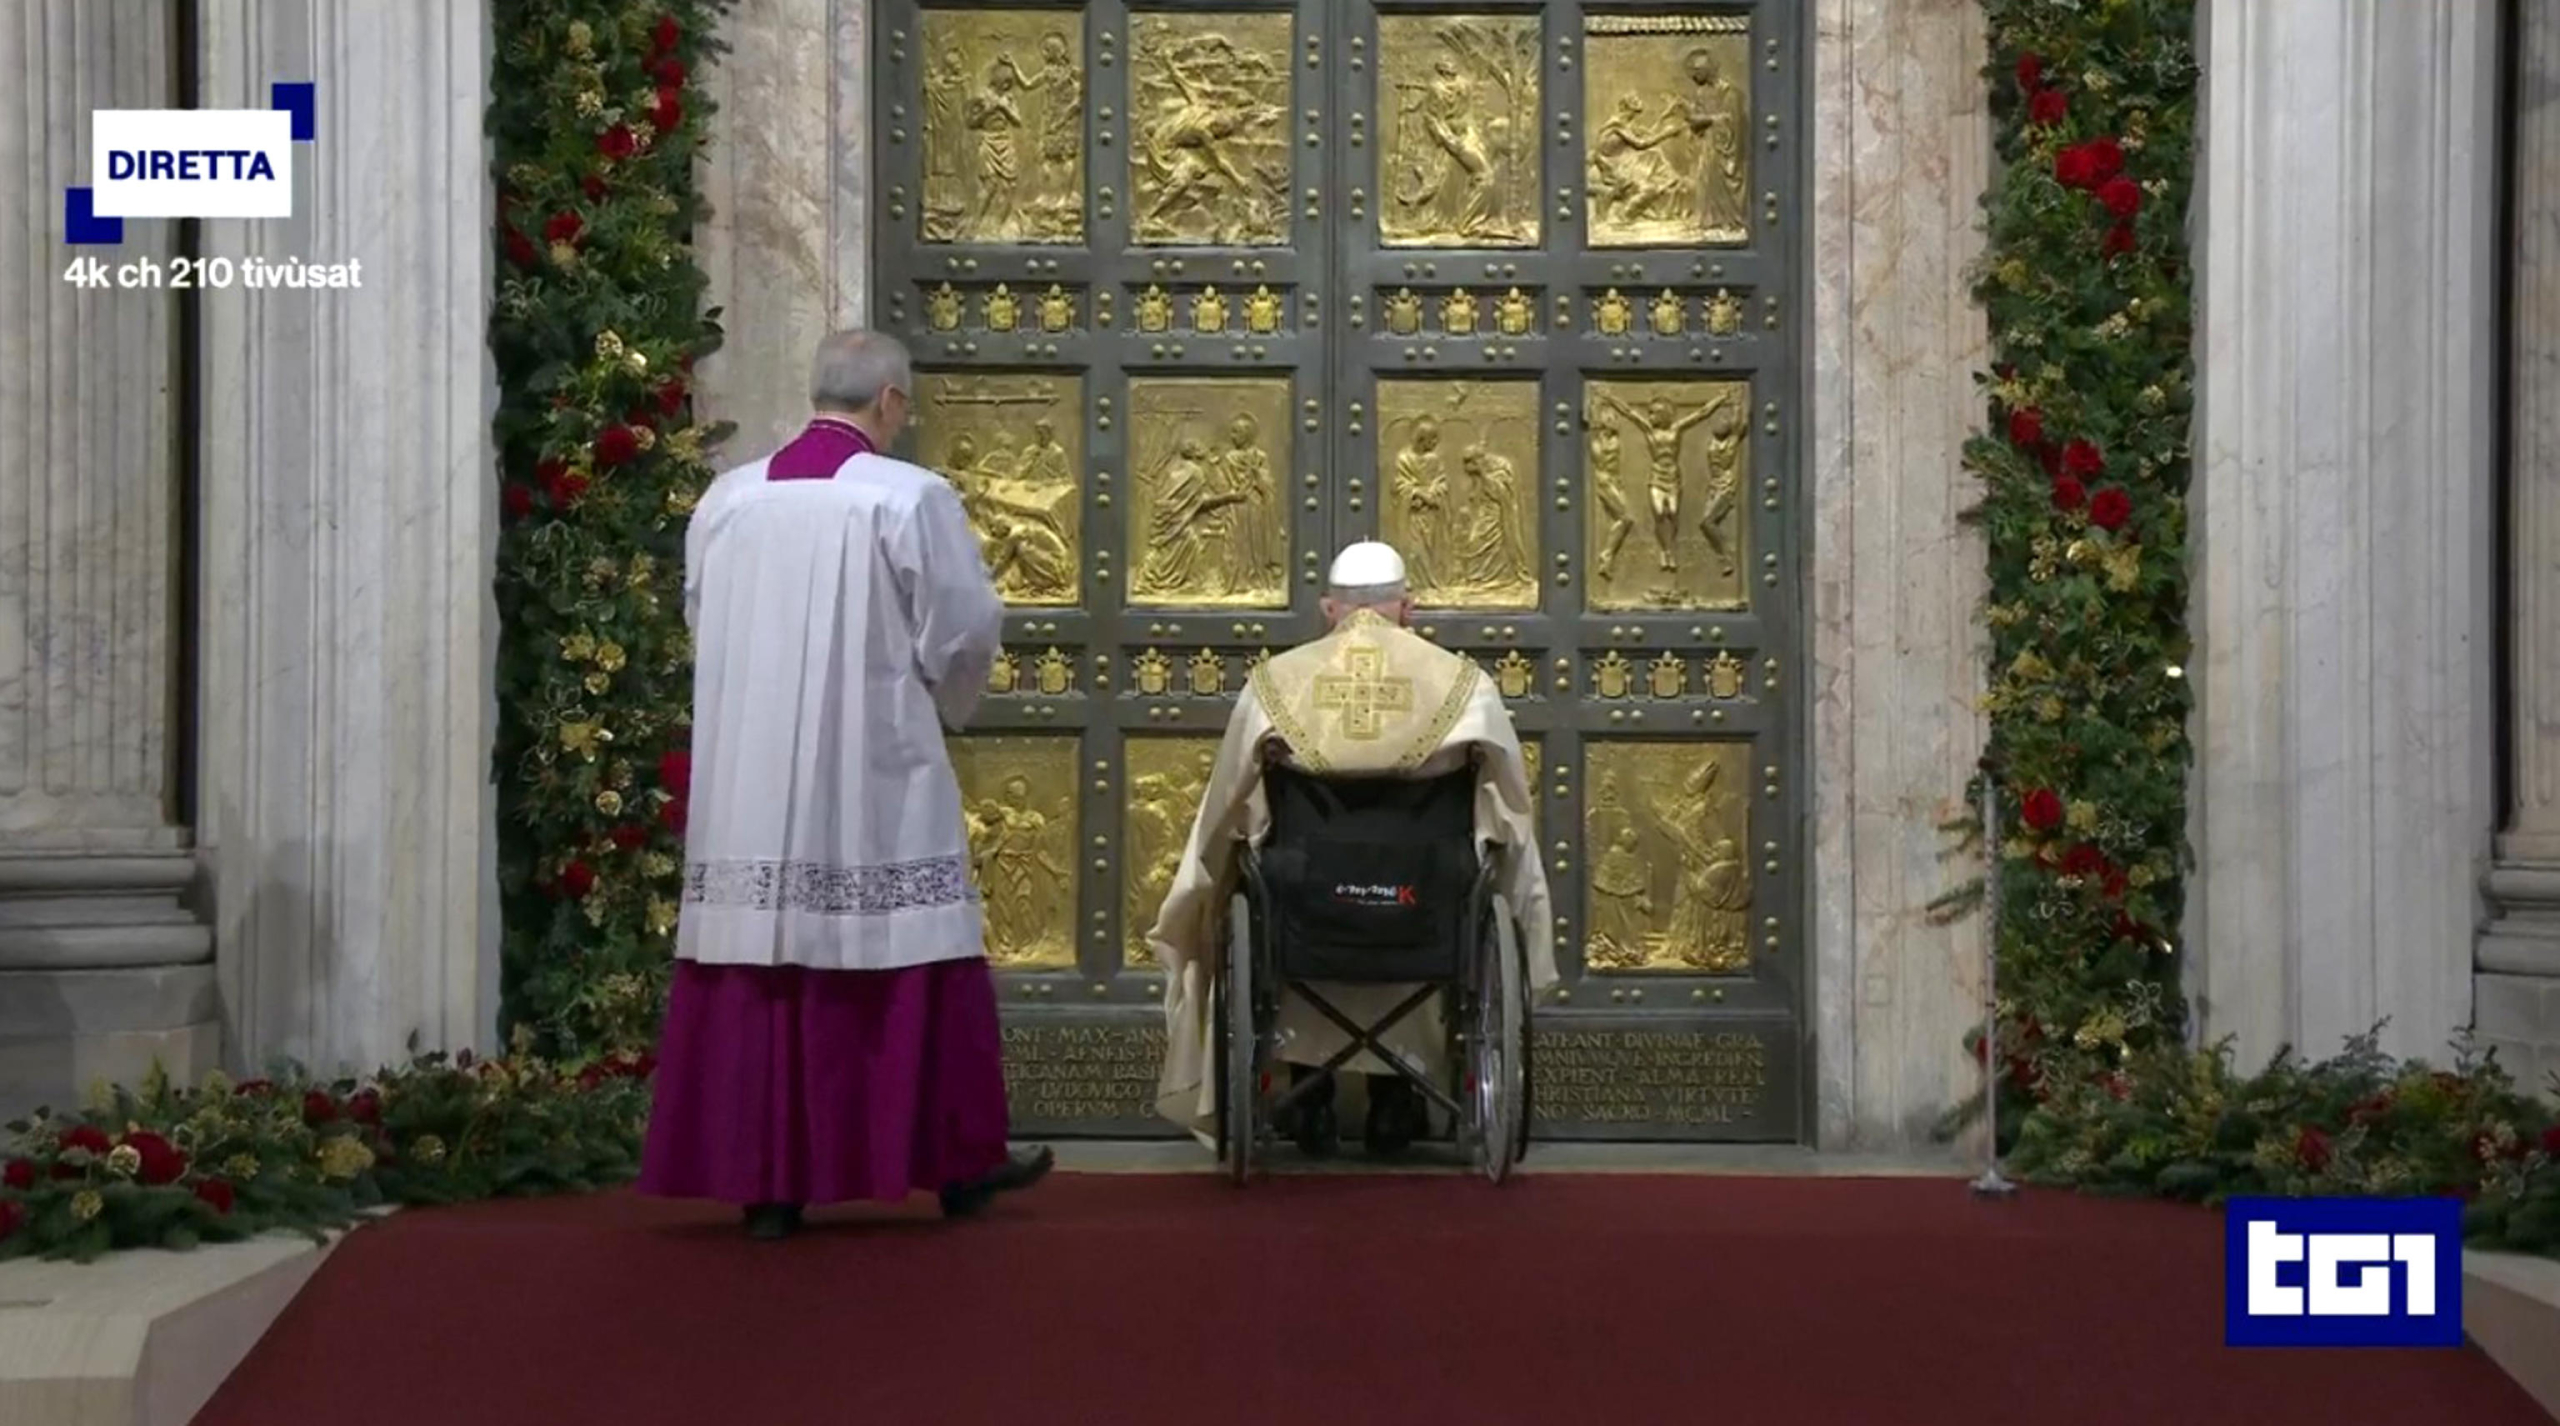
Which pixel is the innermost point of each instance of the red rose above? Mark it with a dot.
(2083, 458)
(591, 1076)
(561, 484)
(615, 445)
(593, 186)
(2068, 493)
(2073, 167)
(162, 1161)
(643, 1065)
(667, 34)
(2370, 1108)
(215, 1194)
(675, 770)
(671, 816)
(519, 249)
(365, 1108)
(2113, 881)
(630, 837)
(2126, 928)
(2110, 508)
(2042, 809)
(2118, 242)
(563, 228)
(2026, 426)
(517, 501)
(2551, 1141)
(577, 879)
(2121, 196)
(11, 1215)
(617, 143)
(2030, 71)
(2083, 860)
(318, 1108)
(2311, 1150)
(20, 1174)
(2106, 156)
(2117, 1086)
(669, 73)
(2048, 107)
(670, 397)
(668, 112)
(88, 1137)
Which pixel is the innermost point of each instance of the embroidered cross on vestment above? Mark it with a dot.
(1364, 694)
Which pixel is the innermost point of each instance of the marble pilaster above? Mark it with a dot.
(92, 861)
(2519, 954)
(1901, 153)
(788, 177)
(2342, 519)
(348, 525)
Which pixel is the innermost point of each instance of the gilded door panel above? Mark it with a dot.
(1166, 779)
(1209, 463)
(1667, 522)
(1018, 797)
(1004, 134)
(1209, 152)
(1458, 462)
(1012, 444)
(1667, 875)
(1458, 149)
(1666, 119)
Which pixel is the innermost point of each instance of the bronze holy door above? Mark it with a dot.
(1199, 292)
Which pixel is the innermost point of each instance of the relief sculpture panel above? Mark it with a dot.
(1166, 779)
(1678, 540)
(1208, 457)
(1665, 834)
(1666, 103)
(1018, 797)
(1004, 94)
(1209, 147)
(1458, 165)
(1459, 460)
(1011, 444)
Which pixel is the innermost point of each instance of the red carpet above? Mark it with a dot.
(1585, 1301)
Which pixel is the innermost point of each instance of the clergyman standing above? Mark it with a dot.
(831, 1033)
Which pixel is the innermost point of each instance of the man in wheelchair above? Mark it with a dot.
(1363, 771)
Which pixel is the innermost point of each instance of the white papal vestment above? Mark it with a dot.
(1368, 699)
(840, 625)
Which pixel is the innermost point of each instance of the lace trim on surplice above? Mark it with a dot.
(828, 888)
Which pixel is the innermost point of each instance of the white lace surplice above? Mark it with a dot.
(839, 625)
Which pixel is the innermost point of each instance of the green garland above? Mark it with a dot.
(2086, 283)
(170, 1167)
(596, 126)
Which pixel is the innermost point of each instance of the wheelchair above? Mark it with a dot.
(1374, 880)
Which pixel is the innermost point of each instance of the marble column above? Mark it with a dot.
(2342, 519)
(2519, 954)
(102, 970)
(349, 524)
(1901, 154)
(788, 177)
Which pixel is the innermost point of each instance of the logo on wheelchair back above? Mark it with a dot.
(1357, 894)
(2342, 1272)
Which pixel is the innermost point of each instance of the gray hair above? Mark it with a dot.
(853, 368)
(1366, 596)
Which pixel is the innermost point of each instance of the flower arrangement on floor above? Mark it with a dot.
(164, 1166)
(595, 129)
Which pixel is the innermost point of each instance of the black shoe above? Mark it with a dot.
(771, 1222)
(1018, 1172)
(1313, 1124)
(1395, 1116)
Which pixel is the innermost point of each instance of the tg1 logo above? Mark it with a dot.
(2342, 1272)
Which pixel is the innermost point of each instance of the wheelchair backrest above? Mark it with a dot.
(1373, 863)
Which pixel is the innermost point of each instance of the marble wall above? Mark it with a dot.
(102, 969)
(2518, 987)
(2343, 519)
(348, 530)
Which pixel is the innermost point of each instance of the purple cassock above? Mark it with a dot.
(812, 1078)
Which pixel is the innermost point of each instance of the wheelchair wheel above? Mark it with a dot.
(1240, 1097)
(1498, 1050)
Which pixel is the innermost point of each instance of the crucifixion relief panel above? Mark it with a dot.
(1200, 292)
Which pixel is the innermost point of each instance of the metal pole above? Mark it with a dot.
(1992, 1184)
